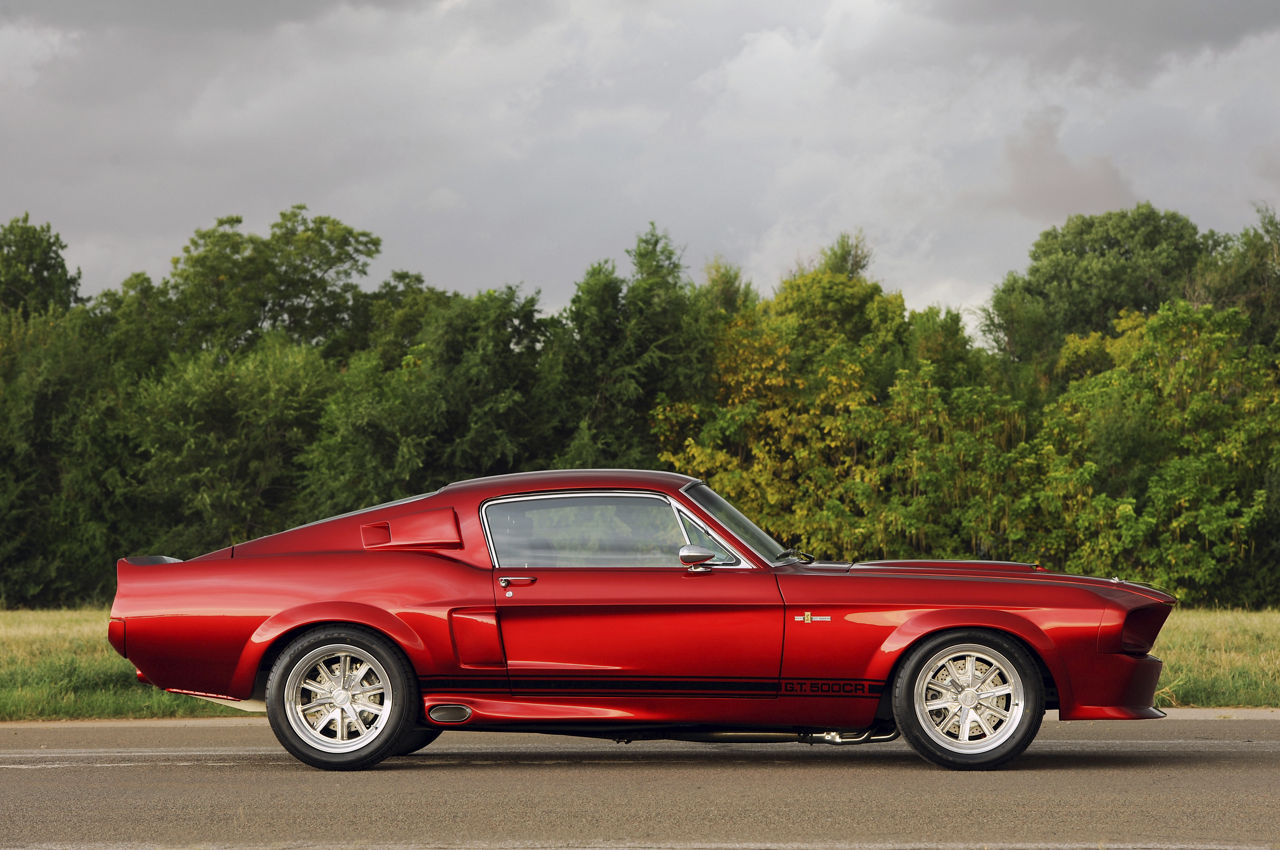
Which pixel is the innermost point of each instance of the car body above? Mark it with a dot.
(625, 604)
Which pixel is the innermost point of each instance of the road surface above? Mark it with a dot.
(1189, 781)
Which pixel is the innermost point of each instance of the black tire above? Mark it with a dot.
(969, 700)
(415, 738)
(342, 698)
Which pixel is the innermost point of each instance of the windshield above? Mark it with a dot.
(734, 520)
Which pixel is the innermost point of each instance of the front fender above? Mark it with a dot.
(895, 647)
(314, 614)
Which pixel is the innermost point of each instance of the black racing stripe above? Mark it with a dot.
(464, 684)
(601, 686)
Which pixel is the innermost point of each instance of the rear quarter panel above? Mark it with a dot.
(204, 626)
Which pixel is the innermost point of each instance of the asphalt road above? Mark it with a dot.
(1191, 780)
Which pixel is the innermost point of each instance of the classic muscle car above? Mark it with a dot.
(625, 605)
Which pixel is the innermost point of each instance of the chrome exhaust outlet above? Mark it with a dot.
(449, 713)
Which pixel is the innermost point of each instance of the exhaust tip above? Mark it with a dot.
(449, 713)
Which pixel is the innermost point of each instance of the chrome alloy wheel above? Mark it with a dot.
(338, 698)
(969, 698)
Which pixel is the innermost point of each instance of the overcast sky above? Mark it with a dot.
(517, 142)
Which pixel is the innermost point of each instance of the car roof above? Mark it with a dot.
(568, 479)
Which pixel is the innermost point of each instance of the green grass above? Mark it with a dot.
(1220, 658)
(58, 665)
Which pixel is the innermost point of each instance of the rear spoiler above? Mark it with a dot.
(151, 560)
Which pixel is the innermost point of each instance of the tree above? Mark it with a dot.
(33, 275)
(50, 386)
(1244, 272)
(1157, 468)
(634, 343)
(221, 437)
(468, 396)
(1085, 273)
(230, 288)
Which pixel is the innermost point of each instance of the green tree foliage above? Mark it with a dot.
(1157, 467)
(1127, 422)
(1085, 273)
(635, 342)
(46, 375)
(230, 288)
(813, 434)
(469, 395)
(33, 275)
(222, 438)
(1244, 272)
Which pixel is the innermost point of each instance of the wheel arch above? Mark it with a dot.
(898, 646)
(276, 632)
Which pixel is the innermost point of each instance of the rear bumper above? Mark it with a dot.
(1121, 687)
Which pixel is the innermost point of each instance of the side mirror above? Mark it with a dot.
(695, 558)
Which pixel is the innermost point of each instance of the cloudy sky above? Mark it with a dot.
(517, 142)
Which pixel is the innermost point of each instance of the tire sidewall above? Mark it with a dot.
(399, 682)
(911, 726)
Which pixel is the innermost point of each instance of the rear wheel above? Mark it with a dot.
(969, 700)
(342, 698)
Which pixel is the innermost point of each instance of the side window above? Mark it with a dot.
(597, 530)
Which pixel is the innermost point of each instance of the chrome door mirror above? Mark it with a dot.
(696, 557)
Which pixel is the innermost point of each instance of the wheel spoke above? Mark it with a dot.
(1001, 691)
(952, 712)
(353, 717)
(986, 677)
(358, 673)
(999, 712)
(371, 707)
(323, 718)
(966, 715)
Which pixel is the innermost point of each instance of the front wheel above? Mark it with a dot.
(969, 700)
(341, 698)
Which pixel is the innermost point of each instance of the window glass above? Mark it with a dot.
(733, 519)
(699, 536)
(599, 530)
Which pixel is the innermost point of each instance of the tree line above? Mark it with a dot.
(1117, 417)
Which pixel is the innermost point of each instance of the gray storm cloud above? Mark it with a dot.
(493, 143)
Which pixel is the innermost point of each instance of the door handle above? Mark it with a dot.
(518, 581)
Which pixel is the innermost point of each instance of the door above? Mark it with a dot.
(593, 600)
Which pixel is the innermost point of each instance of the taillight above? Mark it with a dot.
(1141, 626)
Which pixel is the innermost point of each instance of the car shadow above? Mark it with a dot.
(796, 757)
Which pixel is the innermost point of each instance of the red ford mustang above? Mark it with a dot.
(625, 605)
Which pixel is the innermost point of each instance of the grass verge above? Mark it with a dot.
(1220, 658)
(58, 665)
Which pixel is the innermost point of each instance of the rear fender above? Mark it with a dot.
(323, 613)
